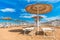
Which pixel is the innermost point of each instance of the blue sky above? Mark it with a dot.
(16, 9)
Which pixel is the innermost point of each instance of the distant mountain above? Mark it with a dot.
(53, 22)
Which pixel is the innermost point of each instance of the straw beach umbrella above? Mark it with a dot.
(7, 18)
(38, 9)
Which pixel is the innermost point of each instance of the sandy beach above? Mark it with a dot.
(29, 20)
(14, 33)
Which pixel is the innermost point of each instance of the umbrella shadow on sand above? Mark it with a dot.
(27, 32)
(19, 30)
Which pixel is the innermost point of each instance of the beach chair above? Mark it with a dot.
(28, 29)
(49, 29)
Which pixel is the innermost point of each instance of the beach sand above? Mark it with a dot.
(14, 33)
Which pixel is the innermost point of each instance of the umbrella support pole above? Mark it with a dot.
(38, 28)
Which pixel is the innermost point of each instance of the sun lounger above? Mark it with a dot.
(49, 29)
(28, 29)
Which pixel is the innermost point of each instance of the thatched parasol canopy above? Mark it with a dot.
(37, 17)
(7, 18)
(39, 8)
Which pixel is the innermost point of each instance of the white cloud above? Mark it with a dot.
(43, 16)
(27, 16)
(5, 17)
(28, 0)
(45, 19)
(52, 1)
(30, 16)
(7, 10)
(52, 18)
